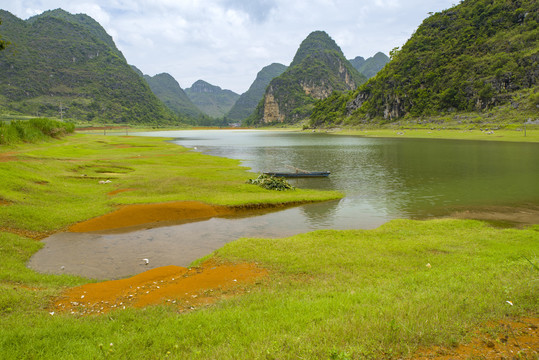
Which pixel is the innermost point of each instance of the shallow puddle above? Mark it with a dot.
(120, 252)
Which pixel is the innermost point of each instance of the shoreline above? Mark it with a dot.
(137, 216)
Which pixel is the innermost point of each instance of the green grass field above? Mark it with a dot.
(363, 294)
(358, 294)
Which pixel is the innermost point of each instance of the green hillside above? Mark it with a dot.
(211, 99)
(474, 57)
(318, 69)
(57, 59)
(248, 101)
(167, 89)
(371, 66)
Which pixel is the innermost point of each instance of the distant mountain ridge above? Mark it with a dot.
(57, 59)
(211, 99)
(370, 66)
(248, 101)
(167, 89)
(318, 69)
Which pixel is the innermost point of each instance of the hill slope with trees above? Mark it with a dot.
(370, 66)
(473, 57)
(211, 99)
(167, 89)
(60, 60)
(319, 68)
(248, 101)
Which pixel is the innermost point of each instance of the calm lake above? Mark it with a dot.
(382, 179)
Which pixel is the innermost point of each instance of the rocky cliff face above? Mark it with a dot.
(248, 101)
(271, 109)
(318, 69)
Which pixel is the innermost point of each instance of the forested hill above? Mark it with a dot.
(59, 59)
(472, 57)
(372, 65)
(211, 99)
(319, 68)
(248, 101)
(167, 89)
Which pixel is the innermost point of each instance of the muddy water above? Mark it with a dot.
(383, 179)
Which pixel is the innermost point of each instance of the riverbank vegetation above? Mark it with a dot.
(33, 130)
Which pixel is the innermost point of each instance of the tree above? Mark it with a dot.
(3, 43)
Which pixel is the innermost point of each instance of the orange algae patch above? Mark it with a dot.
(119, 191)
(175, 285)
(132, 215)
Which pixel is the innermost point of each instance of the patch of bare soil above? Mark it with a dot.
(132, 215)
(119, 191)
(36, 235)
(517, 216)
(503, 340)
(184, 288)
(7, 156)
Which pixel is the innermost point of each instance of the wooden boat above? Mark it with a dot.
(299, 174)
(305, 174)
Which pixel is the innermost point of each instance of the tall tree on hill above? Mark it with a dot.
(3, 43)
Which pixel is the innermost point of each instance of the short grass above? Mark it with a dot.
(362, 294)
(52, 185)
(532, 135)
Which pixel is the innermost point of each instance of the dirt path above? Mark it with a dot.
(184, 288)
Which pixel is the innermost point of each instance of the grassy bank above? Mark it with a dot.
(331, 295)
(46, 187)
(531, 134)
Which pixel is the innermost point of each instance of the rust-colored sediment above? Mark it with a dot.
(7, 156)
(518, 339)
(119, 191)
(132, 215)
(174, 285)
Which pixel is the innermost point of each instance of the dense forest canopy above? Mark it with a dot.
(471, 57)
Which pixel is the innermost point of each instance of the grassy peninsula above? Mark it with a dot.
(36, 177)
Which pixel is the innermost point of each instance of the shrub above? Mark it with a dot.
(33, 130)
(271, 182)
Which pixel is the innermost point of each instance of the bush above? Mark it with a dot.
(33, 130)
(271, 183)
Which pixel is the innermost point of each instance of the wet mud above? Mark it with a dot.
(184, 288)
(501, 216)
(134, 215)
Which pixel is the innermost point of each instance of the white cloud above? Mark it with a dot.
(226, 42)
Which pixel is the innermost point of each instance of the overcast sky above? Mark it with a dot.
(226, 42)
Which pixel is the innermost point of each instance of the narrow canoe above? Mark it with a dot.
(299, 174)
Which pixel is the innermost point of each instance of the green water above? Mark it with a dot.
(389, 178)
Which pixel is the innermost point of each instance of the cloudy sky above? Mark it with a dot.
(226, 42)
